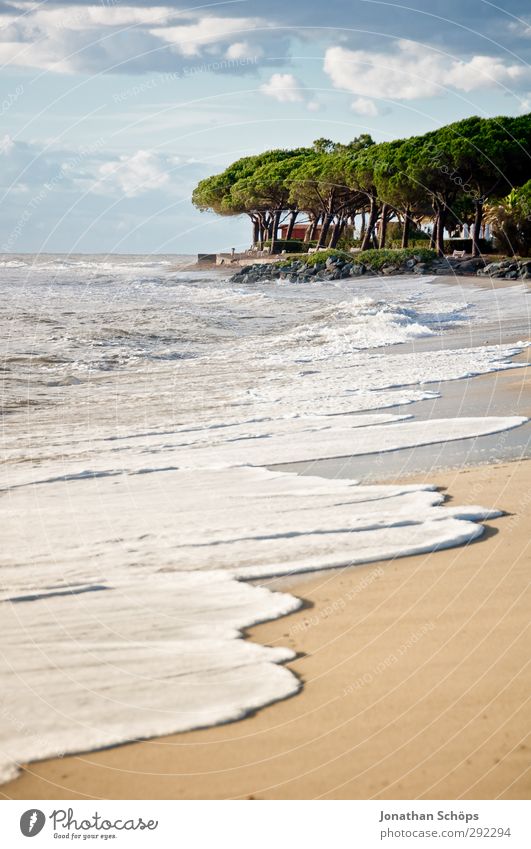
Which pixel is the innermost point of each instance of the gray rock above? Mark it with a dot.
(470, 266)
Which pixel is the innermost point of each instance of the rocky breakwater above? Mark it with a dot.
(507, 269)
(331, 265)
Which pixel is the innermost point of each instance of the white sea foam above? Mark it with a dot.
(128, 659)
(144, 403)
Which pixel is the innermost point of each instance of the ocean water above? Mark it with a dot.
(146, 405)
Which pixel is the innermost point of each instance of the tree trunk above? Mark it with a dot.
(324, 231)
(256, 230)
(336, 232)
(275, 221)
(292, 220)
(478, 220)
(312, 228)
(363, 225)
(261, 232)
(405, 230)
(433, 237)
(373, 217)
(383, 226)
(440, 231)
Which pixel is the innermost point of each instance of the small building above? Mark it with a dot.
(299, 231)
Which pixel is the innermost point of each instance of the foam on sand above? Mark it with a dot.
(142, 633)
(143, 406)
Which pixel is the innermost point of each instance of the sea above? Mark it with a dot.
(169, 443)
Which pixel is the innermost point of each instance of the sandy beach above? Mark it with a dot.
(265, 354)
(414, 672)
(416, 685)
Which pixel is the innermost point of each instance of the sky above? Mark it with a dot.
(112, 111)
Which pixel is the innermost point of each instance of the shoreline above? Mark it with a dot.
(378, 625)
(413, 684)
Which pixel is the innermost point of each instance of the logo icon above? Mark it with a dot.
(32, 822)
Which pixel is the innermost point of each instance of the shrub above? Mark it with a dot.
(395, 231)
(413, 243)
(378, 258)
(322, 256)
(510, 219)
(292, 246)
(451, 245)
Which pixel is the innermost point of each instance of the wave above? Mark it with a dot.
(162, 398)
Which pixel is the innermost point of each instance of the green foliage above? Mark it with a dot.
(446, 175)
(396, 244)
(294, 246)
(322, 256)
(510, 219)
(378, 258)
(394, 233)
(451, 245)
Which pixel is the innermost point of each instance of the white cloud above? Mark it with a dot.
(313, 106)
(92, 17)
(132, 174)
(190, 38)
(244, 50)
(485, 72)
(285, 88)
(6, 145)
(50, 202)
(365, 106)
(412, 71)
(71, 38)
(521, 29)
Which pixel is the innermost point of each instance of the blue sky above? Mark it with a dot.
(112, 111)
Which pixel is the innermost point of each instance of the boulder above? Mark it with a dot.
(470, 266)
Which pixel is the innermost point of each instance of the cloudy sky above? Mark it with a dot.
(112, 111)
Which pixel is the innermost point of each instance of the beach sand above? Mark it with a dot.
(416, 684)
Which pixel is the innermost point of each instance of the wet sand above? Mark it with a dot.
(416, 685)
(415, 671)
